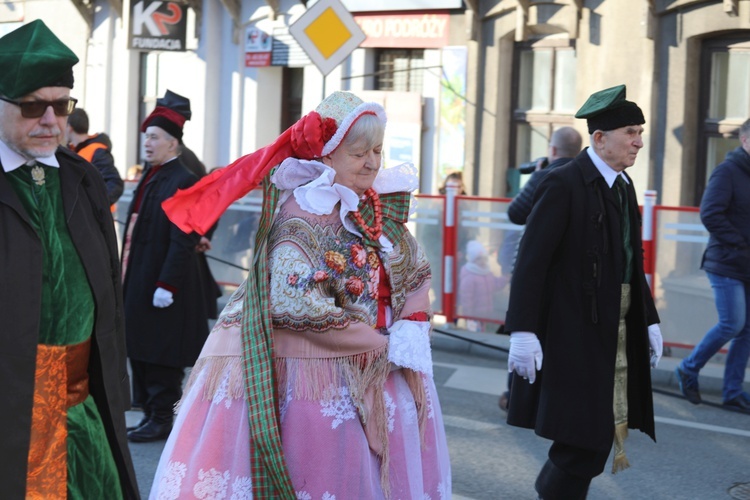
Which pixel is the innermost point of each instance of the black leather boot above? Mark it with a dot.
(553, 483)
(146, 418)
(152, 430)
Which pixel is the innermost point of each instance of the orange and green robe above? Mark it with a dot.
(69, 454)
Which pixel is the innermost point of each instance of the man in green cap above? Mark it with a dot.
(62, 348)
(580, 301)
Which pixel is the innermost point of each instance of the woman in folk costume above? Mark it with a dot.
(327, 342)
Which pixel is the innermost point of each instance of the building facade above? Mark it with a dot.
(685, 62)
(247, 77)
(469, 85)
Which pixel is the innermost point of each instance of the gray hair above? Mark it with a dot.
(367, 131)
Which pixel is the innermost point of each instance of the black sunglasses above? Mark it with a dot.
(35, 109)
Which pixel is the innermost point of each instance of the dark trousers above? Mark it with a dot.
(156, 389)
(568, 472)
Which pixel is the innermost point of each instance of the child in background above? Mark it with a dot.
(454, 179)
(477, 285)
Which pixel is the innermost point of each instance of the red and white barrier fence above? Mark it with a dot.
(673, 241)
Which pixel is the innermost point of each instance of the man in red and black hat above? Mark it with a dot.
(62, 365)
(169, 295)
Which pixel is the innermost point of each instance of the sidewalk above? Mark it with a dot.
(663, 377)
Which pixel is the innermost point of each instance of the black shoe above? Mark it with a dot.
(739, 403)
(503, 401)
(151, 431)
(688, 386)
(553, 482)
(140, 424)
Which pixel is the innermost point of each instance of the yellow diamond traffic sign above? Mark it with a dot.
(328, 33)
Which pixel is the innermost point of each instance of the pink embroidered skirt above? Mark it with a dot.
(207, 454)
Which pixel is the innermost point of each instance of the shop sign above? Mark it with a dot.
(428, 31)
(401, 5)
(258, 45)
(158, 25)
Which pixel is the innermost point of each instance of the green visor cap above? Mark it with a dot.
(32, 57)
(601, 101)
(608, 110)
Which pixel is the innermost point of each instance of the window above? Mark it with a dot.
(291, 90)
(400, 70)
(725, 78)
(543, 94)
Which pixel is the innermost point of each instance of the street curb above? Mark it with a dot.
(447, 337)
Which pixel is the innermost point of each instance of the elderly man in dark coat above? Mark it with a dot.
(580, 302)
(62, 360)
(169, 291)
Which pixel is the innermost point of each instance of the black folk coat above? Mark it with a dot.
(93, 234)
(161, 253)
(566, 288)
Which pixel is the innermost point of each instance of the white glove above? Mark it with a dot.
(162, 298)
(525, 356)
(656, 343)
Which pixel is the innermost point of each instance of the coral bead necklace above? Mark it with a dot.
(376, 230)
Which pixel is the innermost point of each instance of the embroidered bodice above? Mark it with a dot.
(323, 276)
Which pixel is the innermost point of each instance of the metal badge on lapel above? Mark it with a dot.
(37, 174)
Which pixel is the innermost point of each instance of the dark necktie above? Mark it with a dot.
(627, 249)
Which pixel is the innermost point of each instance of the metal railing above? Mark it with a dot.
(674, 241)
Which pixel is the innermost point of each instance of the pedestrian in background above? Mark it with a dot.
(64, 375)
(97, 150)
(455, 180)
(169, 295)
(477, 287)
(579, 301)
(188, 158)
(725, 211)
(564, 145)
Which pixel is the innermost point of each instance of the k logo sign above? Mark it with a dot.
(153, 20)
(158, 25)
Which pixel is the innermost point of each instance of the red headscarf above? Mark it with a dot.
(313, 136)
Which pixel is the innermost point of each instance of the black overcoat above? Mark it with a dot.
(161, 253)
(566, 288)
(92, 232)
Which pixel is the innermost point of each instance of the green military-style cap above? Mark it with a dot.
(608, 110)
(601, 101)
(32, 57)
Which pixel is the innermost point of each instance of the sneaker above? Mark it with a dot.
(739, 403)
(688, 386)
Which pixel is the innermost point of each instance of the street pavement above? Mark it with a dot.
(703, 452)
(449, 337)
